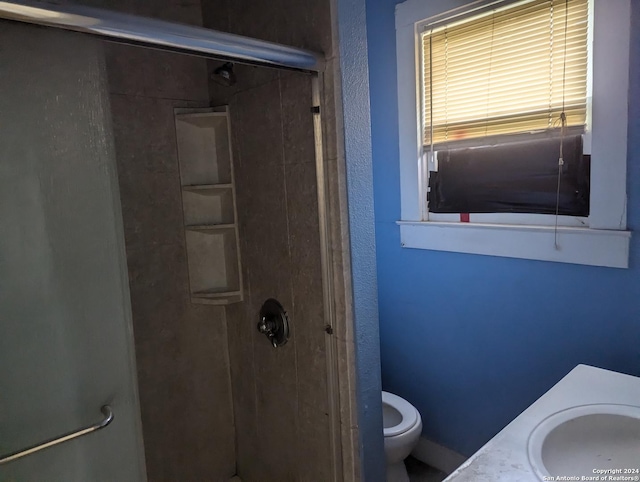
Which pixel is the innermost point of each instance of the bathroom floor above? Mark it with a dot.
(419, 472)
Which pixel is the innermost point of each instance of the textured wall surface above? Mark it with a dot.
(357, 138)
(66, 346)
(280, 395)
(472, 340)
(181, 348)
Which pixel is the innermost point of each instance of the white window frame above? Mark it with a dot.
(604, 240)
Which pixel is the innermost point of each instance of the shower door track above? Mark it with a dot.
(161, 35)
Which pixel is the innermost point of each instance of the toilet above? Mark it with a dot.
(402, 427)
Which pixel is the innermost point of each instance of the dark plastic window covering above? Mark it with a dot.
(512, 178)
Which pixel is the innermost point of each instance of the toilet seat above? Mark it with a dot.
(407, 411)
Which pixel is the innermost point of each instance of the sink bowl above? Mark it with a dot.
(579, 440)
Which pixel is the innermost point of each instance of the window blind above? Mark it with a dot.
(510, 70)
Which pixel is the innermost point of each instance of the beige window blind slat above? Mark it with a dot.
(506, 71)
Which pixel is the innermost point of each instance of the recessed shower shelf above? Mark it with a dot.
(209, 205)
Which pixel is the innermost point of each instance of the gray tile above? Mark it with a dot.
(264, 232)
(149, 181)
(182, 380)
(159, 379)
(181, 11)
(277, 430)
(302, 206)
(306, 25)
(313, 445)
(181, 348)
(306, 278)
(249, 77)
(240, 326)
(152, 73)
(265, 252)
(249, 449)
(297, 119)
(207, 444)
(260, 195)
(201, 332)
(257, 125)
(306, 272)
(144, 135)
(152, 210)
(215, 14)
(311, 365)
(275, 369)
(256, 19)
(276, 398)
(157, 300)
(269, 276)
(160, 364)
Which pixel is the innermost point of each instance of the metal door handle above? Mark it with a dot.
(108, 417)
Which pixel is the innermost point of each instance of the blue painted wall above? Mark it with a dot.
(357, 142)
(472, 340)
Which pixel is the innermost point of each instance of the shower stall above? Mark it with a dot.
(159, 182)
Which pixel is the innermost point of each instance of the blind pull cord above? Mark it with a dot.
(563, 122)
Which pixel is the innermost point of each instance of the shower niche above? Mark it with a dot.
(208, 203)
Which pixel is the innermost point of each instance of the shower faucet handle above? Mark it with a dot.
(274, 323)
(266, 327)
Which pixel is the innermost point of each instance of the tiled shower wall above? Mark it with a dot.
(181, 348)
(281, 404)
(280, 395)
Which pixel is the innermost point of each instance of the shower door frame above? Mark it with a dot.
(339, 350)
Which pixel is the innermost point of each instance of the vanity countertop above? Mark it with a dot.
(504, 457)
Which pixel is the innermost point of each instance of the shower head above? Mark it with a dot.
(224, 75)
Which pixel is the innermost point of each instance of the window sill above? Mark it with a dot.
(595, 247)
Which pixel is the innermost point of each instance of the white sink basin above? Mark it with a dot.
(579, 440)
(588, 421)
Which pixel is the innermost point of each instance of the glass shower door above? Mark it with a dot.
(66, 346)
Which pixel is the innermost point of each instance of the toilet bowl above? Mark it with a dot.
(402, 427)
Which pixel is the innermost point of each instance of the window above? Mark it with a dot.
(513, 80)
(489, 95)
